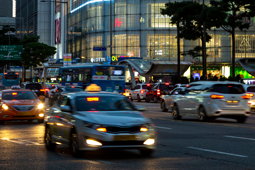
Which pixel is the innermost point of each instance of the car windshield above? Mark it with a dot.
(103, 103)
(251, 89)
(73, 89)
(227, 88)
(18, 95)
(33, 86)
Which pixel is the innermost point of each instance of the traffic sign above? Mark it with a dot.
(99, 48)
(11, 52)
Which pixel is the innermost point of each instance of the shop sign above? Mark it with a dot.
(67, 59)
(194, 68)
(95, 60)
(118, 22)
(119, 58)
(161, 16)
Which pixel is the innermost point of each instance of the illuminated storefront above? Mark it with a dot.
(139, 30)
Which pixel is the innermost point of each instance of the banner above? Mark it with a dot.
(67, 59)
(57, 22)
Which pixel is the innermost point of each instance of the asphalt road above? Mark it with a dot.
(183, 144)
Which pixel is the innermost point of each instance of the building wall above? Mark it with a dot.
(6, 8)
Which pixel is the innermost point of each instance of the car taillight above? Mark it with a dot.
(47, 89)
(215, 96)
(42, 90)
(249, 102)
(142, 91)
(250, 94)
(246, 96)
(158, 92)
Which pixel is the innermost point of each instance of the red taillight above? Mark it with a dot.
(5, 73)
(158, 92)
(148, 85)
(57, 90)
(215, 96)
(73, 86)
(142, 91)
(246, 96)
(167, 84)
(250, 94)
(249, 102)
(17, 73)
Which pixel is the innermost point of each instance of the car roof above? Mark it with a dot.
(214, 82)
(10, 90)
(101, 93)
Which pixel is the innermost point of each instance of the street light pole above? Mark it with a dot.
(111, 30)
(204, 47)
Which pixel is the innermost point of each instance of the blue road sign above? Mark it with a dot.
(99, 48)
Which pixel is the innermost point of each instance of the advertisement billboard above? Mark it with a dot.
(57, 22)
(67, 59)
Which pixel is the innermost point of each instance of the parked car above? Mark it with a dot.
(213, 99)
(139, 92)
(157, 91)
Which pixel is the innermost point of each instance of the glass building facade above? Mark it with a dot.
(139, 30)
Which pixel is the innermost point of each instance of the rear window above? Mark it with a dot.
(18, 95)
(227, 88)
(164, 87)
(251, 89)
(10, 76)
(33, 86)
(103, 103)
(2, 87)
(145, 87)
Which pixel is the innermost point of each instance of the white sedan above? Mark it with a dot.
(213, 99)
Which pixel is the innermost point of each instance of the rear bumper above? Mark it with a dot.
(6, 116)
(229, 113)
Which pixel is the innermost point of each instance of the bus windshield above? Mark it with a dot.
(11, 76)
(109, 71)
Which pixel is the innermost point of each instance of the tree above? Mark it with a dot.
(174, 9)
(34, 53)
(236, 11)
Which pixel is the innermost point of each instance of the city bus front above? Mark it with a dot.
(10, 79)
(110, 78)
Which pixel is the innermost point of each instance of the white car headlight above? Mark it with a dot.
(40, 106)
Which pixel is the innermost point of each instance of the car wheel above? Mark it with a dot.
(138, 98)
(48, 140)
(40, 120)
(163, 106)
(155, 99)
(1, 122)
(175, 113)
(75, 147)
(241, 119)
(201, 114)
(146, 152)
(147, 99)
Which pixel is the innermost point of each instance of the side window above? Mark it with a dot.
(66, 102)
(60, 90)
(137, 87)
(87, 75)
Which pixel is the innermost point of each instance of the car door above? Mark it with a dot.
(134, 96)
(171, 98)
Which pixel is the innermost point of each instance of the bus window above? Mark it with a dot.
(77, 75)
(87, 75)
(11, 77)
(110, 71)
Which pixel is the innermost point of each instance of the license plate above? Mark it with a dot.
(124, 137)
(24, 113)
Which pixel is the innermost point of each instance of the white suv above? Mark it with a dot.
(213, 99)
(139, 92)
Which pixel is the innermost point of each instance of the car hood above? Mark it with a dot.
(114, 117)
(22, 102)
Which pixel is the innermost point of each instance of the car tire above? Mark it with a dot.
(75, 147)
(147, 99)
(1, 122)
(138, 98)
(175, 113)
(163, 106)
(146, 152)
(201, 114)
(241, 119)
(155, 99)
(40, 120)
(48, 140)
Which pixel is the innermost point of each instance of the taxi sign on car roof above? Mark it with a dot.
(15, 87)
(93, 88)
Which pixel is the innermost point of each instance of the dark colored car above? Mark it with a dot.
(36, 88)
(62, 90)
(155, 93)
(2, 87)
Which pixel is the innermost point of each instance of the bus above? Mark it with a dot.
(9, 79)
(110, 78)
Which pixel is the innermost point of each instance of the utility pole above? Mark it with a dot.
(204, 49)
(111, 31)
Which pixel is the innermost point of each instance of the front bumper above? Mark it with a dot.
(108, 142)
(29, 115)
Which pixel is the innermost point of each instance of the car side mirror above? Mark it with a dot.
(140, 108)
(42, 98)
(65, 108)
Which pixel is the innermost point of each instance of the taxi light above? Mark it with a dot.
(215, 96)
(92, 99)
(143, 129)
(101, 129)
(93, 88)
(149, 142)
(41, 115)
(14, 94)
(93, 142)
(40, 106)
(5, 107)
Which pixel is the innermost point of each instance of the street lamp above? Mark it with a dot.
(65, 2)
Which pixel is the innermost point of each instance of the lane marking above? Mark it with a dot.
(224, 153)
(236, 137)
(21, 141)
(162, 127)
